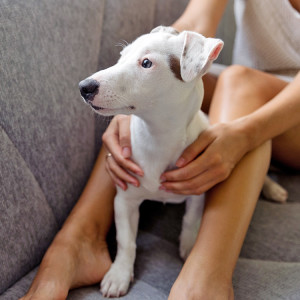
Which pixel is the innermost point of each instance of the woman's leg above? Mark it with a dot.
(78, 255)
(207, 273)
(209, 82)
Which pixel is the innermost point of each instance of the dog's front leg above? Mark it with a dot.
(190, 224)
(116, 281)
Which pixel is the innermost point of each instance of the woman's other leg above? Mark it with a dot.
(207, 273)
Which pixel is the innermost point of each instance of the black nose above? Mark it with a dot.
(89, 88)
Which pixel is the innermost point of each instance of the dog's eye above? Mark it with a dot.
(146, 63)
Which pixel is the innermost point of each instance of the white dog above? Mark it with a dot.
(158, 81)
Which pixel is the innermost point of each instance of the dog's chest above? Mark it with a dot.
(154, 160)
(157, 150)
(156, 153)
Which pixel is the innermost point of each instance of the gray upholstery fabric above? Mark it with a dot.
(226, 32)
(168, 11)
(140, 290)
(45, 52)
(266, 280)
(27, 221)
(123, 22)
(20, 287)
(271, 236)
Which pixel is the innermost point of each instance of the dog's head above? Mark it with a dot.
(162, 64)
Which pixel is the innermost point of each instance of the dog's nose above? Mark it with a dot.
(89, 88)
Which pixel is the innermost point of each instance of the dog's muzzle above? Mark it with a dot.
(89, 88)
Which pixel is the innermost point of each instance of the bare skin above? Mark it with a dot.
(78, 255)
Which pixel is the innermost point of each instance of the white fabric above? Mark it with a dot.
(268, 36)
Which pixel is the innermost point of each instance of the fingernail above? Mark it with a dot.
(135, 183)
(126, 152)
(140, 173)
(163, 178)
(162, 188)
(123, 187)
(180, 162)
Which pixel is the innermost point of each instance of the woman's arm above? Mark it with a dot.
(224, 144)
(202, 16)
(275, 117)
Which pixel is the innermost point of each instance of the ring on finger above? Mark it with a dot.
(108, 155)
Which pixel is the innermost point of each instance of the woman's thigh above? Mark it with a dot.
(286, 148)
(209, 82)
(240, 91)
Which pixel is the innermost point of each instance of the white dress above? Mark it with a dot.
(267, 36)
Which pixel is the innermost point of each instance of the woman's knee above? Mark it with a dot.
(239, 85)
(236, 77)
(236, 94)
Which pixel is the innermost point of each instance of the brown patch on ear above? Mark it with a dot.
(175, 66)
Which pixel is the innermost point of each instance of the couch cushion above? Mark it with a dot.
(266, 280)
(47, 47)
(27, 221)
(140, 290)
(19, 289)
(274, 233)
(123, 22)
(158, 265)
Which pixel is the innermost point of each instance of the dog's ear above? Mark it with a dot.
(166, 29)
(198, 54)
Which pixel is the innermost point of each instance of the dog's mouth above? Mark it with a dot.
(96, 107)
(100, 108)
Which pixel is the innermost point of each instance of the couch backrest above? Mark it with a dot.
(135, 17)
(47, 133)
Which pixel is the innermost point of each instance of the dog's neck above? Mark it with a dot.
(171, 117)
(160, 137)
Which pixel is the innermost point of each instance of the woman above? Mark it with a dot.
(248, 109)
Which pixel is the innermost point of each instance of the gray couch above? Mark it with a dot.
(49, 141)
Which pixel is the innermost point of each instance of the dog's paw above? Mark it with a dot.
(116, 282)
(186, 241)
(273, 191)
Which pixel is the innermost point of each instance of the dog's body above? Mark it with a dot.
(158, 80)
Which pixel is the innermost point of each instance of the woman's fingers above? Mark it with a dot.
(194, 168)
(124, 135)
(185, 187)
(198, 184)
(116, 180)
(193, 150)
(185, 173)
(117, 142)
(217, 151)
(119, 175)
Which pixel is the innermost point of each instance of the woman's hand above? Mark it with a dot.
(207, 161)
(116, 139)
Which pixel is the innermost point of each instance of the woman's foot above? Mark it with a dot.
(196, 289)
(73, 260)
(201, 281)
